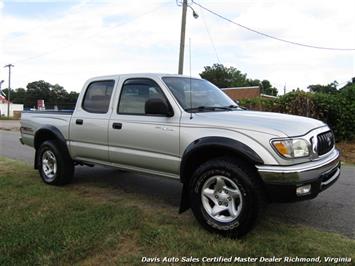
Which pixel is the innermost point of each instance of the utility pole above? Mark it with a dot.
(9, 90)
(182, 37)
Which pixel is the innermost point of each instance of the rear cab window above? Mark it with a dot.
(98, 96)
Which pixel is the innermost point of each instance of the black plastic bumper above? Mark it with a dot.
(281, 186)
(287, 192)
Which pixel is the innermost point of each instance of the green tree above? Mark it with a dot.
(228, 77)
(330, 88)
(73, 97)
(267, 88)
(66, 100)
(58, 96)
(18, 96)
(37, 90)
(224, 77)
(53, 95)
(5, 92)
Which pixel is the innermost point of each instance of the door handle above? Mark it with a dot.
(117, 125)
(79, 121)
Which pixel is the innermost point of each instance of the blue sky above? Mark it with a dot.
(37, 9)
(67, 42)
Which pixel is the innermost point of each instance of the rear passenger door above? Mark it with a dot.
(89, 123)
(139, 140)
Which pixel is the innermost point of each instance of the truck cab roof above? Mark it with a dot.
(139, 75)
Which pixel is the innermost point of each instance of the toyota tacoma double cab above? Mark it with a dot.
(229, 160)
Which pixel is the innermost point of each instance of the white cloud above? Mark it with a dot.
(98, 38)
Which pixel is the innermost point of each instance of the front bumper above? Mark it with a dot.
(281, 182)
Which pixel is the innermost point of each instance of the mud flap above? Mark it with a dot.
(35, 164)
(185, 199)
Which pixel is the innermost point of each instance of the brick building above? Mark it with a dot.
(238, 93)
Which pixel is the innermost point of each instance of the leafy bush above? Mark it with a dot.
(337, 110)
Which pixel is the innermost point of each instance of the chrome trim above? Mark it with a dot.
(298, 168)
(300, 172)
(330, 180)
(314, 135)
(309, 144)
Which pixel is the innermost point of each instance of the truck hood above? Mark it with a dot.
(267, 122)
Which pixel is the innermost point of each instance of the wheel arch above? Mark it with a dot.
(211, 147)
(45, 133)
(206, 148)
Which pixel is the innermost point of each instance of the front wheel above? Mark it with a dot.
(225, 196)
(54, 164)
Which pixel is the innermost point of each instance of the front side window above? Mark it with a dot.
(98, 95)
(198, 94)
(135, 93)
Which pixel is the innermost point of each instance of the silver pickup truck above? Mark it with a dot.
(229, 160)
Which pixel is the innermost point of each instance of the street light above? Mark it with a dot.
(194, 13)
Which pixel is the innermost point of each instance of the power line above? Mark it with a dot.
(270, 36)
(210, 36)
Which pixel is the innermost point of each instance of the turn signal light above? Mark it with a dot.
(282, 148)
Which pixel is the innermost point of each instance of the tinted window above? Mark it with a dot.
(193, 93)
(135, 93)
(98, 95)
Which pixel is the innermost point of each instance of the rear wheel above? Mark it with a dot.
(225, 196)
(54, 163)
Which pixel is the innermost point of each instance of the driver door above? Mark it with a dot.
(141, 141)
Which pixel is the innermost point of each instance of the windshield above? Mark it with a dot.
(204, 95)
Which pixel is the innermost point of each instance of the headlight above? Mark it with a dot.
(291, 148)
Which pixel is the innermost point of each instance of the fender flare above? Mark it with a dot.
(50, 132)
(218, 142)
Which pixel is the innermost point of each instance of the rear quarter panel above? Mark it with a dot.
(32, 121)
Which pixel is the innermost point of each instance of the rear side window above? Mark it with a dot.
(135, 93)
(97, 96)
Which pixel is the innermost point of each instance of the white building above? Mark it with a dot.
(13, 107)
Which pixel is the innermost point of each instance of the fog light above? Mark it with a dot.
(303, 190)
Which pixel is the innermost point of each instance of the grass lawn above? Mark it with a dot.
(347, 149)
(88, 225)
(7, 118)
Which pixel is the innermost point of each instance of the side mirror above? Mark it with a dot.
(157, 106)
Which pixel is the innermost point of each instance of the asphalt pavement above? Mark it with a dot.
(333, 210)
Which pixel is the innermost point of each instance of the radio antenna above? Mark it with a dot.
(190, 79)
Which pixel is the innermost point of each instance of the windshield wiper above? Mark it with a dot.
(232, 106)
(210, 108)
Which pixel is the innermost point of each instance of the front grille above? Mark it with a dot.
(325, 142)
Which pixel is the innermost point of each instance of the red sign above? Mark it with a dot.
(40, 104)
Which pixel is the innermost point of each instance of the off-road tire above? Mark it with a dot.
(64, 164)
(244, 176)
